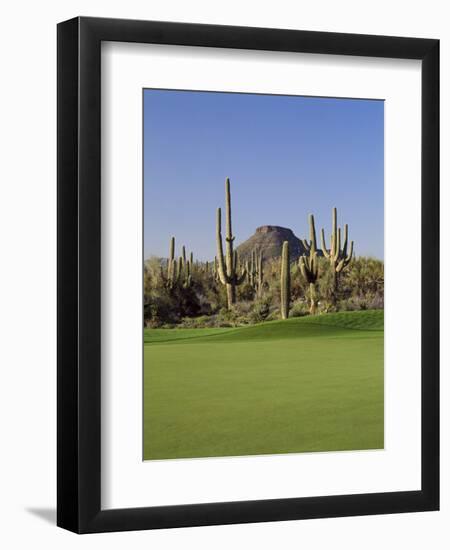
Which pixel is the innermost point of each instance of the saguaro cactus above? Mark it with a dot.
(216, 270)
(312, 243)
(339, 258)
(285, 281)
(260, 275)
(171, 276)
(255, 272)
(309, 265)
(177, 271)
(227, 266)
(252, 273)
(187, 274)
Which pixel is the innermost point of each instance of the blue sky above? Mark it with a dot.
(286, 157)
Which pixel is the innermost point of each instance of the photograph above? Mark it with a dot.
(263, 274)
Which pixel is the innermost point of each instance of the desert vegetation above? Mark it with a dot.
(229, 291)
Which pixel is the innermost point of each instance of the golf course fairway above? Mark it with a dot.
(300, 385)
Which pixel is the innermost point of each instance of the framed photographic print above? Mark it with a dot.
(248, 258)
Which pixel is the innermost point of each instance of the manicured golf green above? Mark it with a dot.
(300, 385)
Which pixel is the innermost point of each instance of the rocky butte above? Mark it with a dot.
(269, 239)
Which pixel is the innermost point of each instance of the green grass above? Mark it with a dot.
(305, 384)
(154, 335)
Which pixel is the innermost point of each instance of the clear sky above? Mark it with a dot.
(286, 157)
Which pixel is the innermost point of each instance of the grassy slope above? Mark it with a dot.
(297, 327)
(306, 384)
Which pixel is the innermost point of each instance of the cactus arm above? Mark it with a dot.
(259, 273)
(344, 248)
(336, 247)
(302, 265)
(309, 267)
(173, 272)
(163, 277)
(220, 259)
(325, 251)
(334, 232)
(338, 244)
(237, 262)
(241, 278)
(172, 249)
(350, 256)
(216, 270)
(346, 260)
(285, 281)
(228, 228)
(340, 266)
(312, 233)
(180, 269)
(312, 243)
(188, 278)
(171, 259)
(252, 269)
(316, 266)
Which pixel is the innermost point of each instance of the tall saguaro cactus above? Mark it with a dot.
(312, 243)
(227, 265)
(177, 271)
(309, 265)
(255, 272)
(171, 277)
(338, 257)
(260, 275)
(216, 270)
(187, 274)
(285, 281)
(252, 272)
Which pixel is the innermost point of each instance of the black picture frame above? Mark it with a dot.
(79, 281)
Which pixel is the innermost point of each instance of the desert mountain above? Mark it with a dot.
(269, 239)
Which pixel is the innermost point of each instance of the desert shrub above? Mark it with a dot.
(362, 285)
(299, 309)
(362, 302)
(204, 302)
(228, 318)
(242, 309)
(245, 292)
(259, 311)
(274, 315)
(203, 321)
(326, 306)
